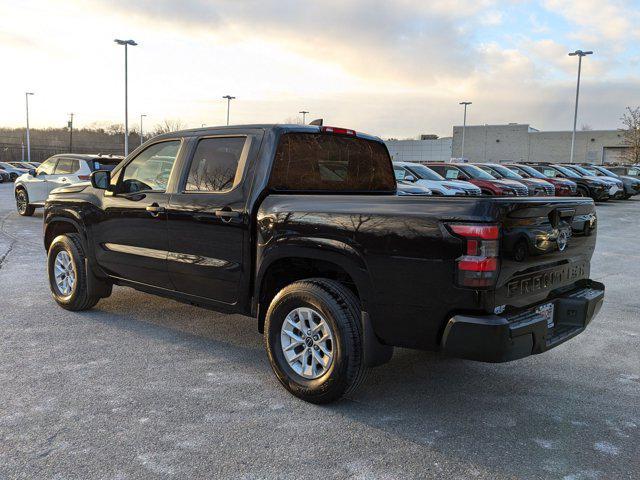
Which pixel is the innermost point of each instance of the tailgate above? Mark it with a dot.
(545, 246)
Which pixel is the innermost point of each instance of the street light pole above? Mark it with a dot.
(71, 133)
(579, 54)
(304, 116)
(464, 124)
(141, 134)
(126, 43)
(229, 98)
(26, 96)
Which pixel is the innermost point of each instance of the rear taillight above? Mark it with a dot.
(479, 265)
(338, 131)
(84, 177)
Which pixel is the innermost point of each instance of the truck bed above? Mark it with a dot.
(403, 256)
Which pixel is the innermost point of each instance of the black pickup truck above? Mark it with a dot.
(301, 228)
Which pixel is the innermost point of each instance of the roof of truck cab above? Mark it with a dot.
(282, 127)
(88, 156)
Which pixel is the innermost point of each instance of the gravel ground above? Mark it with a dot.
(144, 387)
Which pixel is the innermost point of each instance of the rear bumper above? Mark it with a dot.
(502, 338)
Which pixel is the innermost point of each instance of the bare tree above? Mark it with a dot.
(167, 126)
(586, 127)
(631, 135)
(293, 121)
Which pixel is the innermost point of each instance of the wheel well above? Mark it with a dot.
(57, 228)
(288, 270)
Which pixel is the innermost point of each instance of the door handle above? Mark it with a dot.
(155, 209)
(226, 214)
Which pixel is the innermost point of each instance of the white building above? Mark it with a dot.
(420, 151)
(521, 142)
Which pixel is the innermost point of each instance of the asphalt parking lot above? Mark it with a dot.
(144, 387)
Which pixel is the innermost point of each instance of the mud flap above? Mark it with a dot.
(375, 353)
(96, 287)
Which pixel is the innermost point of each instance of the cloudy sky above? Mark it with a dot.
(392, 68)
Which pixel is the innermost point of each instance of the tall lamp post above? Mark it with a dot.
(579, 54)
(126, 43)
(229, 98)
(141, 134)
(26, 96)
(464, 124)
(304, 116)
(70, 124)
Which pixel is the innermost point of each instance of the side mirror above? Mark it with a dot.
(101, 179)
(410, 178)
(32, 172)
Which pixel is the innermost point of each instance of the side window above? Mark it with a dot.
(452, 173)
(150, 170)
(66, 166)
(47, 167)
(400, 173)
(214, 167)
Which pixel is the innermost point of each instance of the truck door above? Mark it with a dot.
(208, 223)
(130, 232)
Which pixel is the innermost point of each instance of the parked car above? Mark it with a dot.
(23, 165)
(33, 187)
(337, 269)
(4, 176)
(13, 172)
(488, 184)
(587, 187)
(537, 187)
(409, 188)
(625, 170)
(563, 186)
(616, 187)
(631, 185)
(423, 175)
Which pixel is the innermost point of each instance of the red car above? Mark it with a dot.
(564, 187)
(537, 187)
(489, 184)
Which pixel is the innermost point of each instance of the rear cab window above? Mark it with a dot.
(321, 162)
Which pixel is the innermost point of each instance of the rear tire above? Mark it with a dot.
(67, 274)
(582, 192)
(22, 203)
(332, 307)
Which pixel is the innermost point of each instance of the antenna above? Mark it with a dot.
(318, 122)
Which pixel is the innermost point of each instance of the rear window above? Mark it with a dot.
(331, 163)
(105, 164)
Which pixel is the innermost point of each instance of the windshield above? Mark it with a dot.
(584, 171)
(634, 172)
(567, 171)
(424, 173)
(606, 172)
(505, 172)
(531, 171)
(476, 172)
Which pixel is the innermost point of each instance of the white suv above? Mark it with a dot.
(32, 188)
(424, 176)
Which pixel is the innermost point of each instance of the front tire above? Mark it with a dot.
(67, 274)
(22, 203)
(299, 322)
